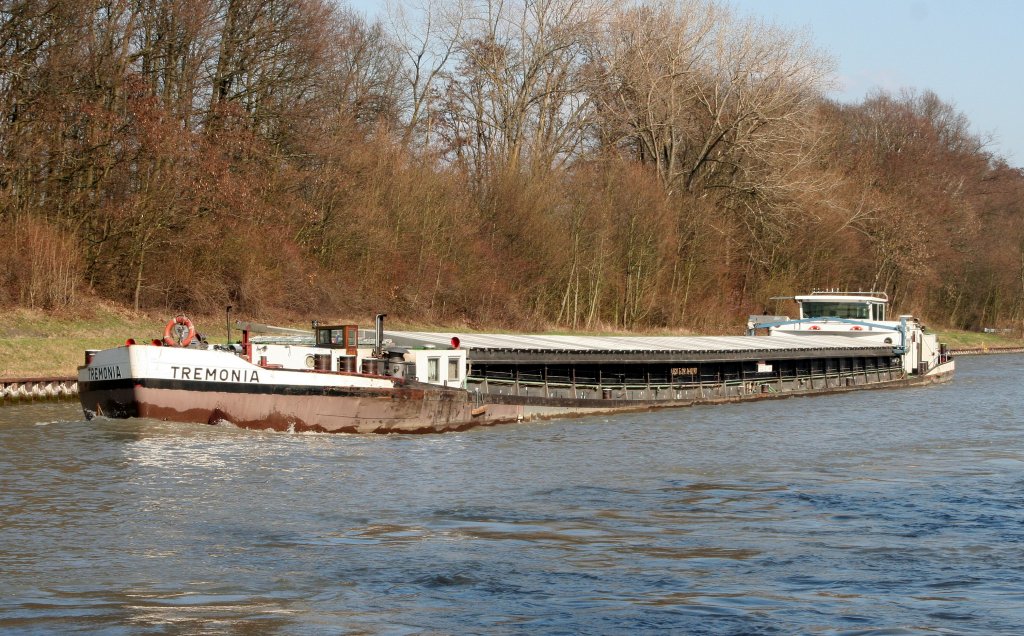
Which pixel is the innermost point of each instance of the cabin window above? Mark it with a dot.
(453, 368)
(856, 311)
(330, 337)
(433, 369)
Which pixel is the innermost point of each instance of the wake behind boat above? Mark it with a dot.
(338, 378)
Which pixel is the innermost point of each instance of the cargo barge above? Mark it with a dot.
(338, 378)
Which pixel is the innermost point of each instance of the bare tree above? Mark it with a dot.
(517, 96)
(427, 35)
(271, 59)
(364, 74)
(174, 43)
(703, 96)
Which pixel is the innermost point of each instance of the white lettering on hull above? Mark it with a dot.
(213, 374)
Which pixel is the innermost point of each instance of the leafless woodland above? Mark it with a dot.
(581, 164)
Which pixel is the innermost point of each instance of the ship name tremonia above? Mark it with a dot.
(214, 374)
(104, 373)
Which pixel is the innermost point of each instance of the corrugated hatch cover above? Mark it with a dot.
(529, 347)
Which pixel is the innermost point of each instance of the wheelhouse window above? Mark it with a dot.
(433, 369)
(327, 337)
(453, 369)
(857, 311)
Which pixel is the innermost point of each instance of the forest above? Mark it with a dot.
(521, 164)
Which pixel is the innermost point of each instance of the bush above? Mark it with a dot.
(42, 267)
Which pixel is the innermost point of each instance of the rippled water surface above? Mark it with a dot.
(884, 512)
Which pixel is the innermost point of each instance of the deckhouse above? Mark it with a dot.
(861, 314)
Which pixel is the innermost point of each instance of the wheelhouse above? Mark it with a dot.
(338, 337)
(852, 306)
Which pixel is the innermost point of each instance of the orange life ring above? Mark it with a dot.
(172, 334)
(857, 328)
(815, 327)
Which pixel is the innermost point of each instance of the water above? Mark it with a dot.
(878, 512)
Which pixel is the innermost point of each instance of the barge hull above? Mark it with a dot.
(422, 410)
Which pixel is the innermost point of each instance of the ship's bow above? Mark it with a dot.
(106, 385)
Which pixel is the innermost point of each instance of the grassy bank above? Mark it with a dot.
(35, 344)
(975, 340)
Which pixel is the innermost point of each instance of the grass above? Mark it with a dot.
(36, 344)
(976, 340)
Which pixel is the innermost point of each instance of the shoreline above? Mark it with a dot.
(981, 351)
(21, 390)
(35, 345)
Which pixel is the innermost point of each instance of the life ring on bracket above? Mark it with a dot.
(176, 327)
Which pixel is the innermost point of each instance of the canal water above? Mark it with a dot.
(877, 512)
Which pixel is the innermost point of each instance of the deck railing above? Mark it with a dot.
(729, 384)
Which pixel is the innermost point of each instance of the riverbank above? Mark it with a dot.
(34, 344)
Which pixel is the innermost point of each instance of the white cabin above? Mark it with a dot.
(859, 315)
(347, 349)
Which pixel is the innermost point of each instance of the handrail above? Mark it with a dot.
(881, 295)
(693, 385)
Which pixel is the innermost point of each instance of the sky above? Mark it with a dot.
(968, 52)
